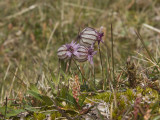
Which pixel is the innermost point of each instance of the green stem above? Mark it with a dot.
(5, 109)
(79, 70)
(94, 76)
(69, 70)
(100, 56)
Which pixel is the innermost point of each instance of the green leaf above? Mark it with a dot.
(35, 94)
(52, 86)
(82, 99)
(63, 65)
(40, 97)
(34, 88)
(155, 106)
(157, 117)
(47, 100)
(67, 96)
(32, 109)
(10, 111)
(71, 99)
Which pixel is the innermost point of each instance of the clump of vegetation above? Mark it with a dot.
(58, 63)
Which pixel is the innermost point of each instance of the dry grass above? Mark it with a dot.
(32, 31)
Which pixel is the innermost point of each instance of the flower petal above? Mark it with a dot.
(90, 59)
(95, 52)
(76, 53)
(69, 54)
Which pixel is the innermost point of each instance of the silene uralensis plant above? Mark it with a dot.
(81, 50)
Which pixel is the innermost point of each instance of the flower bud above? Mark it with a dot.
(82, 54)
(67, 50)
(62, 52)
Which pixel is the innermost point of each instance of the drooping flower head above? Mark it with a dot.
(85, 54)
(82, 54)
(88, 37)
(66, 51)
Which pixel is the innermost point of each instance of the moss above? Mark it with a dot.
(55, 115)
(39, 116)
(129, 94)
(152, 94)
(139, 90)
(115, 114)
(119, 118)
(106, 96)
(121, 104)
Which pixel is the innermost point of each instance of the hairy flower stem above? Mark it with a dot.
(94, 76)
(59, 76)
(59, 66)
(112, 56)
(92, 69)
(80, 71)
(68, 66)
(100, 56)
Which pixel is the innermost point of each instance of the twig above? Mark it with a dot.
(111, 111)
(15, 75)
(152, 28)
(83, 7)
(85, 111)
(13, 81)
(119, 78)
(50, 38)
(128, 109)
(5, 76)
(5, 109)
(142, 41)
(149, 60)
(22, 12)
(7, 71)
(114, 95)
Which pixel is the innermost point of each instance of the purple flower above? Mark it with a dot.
(66, 51)
(72, 49)
(91, 53)
(100, 35)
